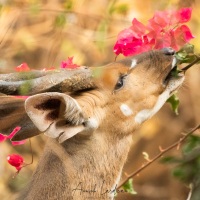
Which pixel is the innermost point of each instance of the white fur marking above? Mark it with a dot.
(126, 110)
(145, 114)
(92, 123)
(133, 64)
(174, 62)
(172, 86)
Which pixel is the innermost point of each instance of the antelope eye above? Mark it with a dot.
(120, 82)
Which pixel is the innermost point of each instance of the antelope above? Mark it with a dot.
(89, 119)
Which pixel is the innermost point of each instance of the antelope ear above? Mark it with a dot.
(55, 114)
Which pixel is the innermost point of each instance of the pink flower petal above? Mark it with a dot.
(138, 28)
(3, 137)
(125, 36)
(118, 48)
(128, 48)
(149, 43)
(182, 35)
(187, 33)
(69, 64)
(16, 161)
(184, 15)
(12, 134)
(22, 68)
(18, 143)
(132, 48)
(162, 40)
(15, 130)
(173, 44)
(160, 20)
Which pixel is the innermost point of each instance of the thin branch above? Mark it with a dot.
(26, 164)
(191, 64)
(190, 193)
(162, 152)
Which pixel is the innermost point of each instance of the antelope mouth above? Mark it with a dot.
(174, 73)
(175, 77)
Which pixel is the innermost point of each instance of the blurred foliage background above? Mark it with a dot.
(43, 33)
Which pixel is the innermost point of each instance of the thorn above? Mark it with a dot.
(178, 146)
(161, 149)
(126, 174)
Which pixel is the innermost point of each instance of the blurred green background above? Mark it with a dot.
(43, 33)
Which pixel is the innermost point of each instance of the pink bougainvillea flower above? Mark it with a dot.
(3, 137)
(138, 28)
(22, 68)
(18, 142)
(69, 64)
(162, 40)
(128, 42)
(184, 15)
(159, 21)
(126, 36)
(183, 34)
(16, 161)
(128, 48)
(6, 137)
(164, 29)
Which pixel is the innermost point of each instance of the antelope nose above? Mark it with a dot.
(168, 51)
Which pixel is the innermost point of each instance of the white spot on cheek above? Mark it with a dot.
(133, 64)
(92, 123)
(145, 114)
(126, 110)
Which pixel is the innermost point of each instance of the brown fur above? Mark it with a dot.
(88, 165)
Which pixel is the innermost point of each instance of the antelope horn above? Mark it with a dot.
(64, 80)
(19, 76)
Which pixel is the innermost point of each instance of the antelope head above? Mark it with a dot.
(90, 118)
(117, 100)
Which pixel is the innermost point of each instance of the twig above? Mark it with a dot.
(190, 193)
(191, 64)
(26, 164)
(162, 152)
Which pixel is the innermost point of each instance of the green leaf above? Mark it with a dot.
(128, 187)
(170, 160)
(35, 8)
(186, 54)
(122, 9)
(60, 20)
(174, 102)
(192, 142)
(179, 172)
(68, 5)
(188, 48)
